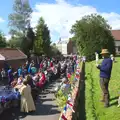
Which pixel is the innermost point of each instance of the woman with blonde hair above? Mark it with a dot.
(27, 103)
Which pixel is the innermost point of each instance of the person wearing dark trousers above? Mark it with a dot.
(105, 74)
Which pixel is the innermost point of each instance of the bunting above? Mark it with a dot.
(70, 102)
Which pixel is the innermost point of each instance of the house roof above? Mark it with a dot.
(116, 34)
(11, 54)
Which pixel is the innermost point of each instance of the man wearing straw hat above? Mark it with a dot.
(105, 74)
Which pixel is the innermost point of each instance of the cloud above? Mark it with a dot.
(1, 20)
(60, 16)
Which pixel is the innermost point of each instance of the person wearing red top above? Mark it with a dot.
(41, 65)
(42, 81)
(51, 64)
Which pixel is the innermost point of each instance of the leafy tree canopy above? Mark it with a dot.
(92, 33)
(42, 39)
(2, 40)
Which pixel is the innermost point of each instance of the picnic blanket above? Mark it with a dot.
(8, 94)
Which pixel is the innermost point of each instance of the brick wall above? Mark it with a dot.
(70, 47)
(14, 63)
(78, 96)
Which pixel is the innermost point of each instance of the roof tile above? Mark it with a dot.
(11, 53)
(116, 34)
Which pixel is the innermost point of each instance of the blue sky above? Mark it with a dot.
(61, 14)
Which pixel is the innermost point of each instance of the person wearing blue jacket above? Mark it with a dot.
(105, 74)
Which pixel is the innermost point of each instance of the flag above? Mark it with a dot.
(64, 110)
(69, 98)
(70, 105)
(63, 117)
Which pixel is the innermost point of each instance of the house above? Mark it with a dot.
(11, 57)
(66, 46)
(116, 35)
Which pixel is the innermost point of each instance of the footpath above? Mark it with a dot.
(46, 108)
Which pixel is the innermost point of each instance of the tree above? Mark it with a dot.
(42, 39)
(2, 40)
(13, 42)
(54, 50)
(92, 33)
(19, 21)
(30, 38)
(28, 41)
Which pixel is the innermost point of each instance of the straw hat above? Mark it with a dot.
(104, 51)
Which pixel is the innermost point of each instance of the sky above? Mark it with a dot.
(60, 15)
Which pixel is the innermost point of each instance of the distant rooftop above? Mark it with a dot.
(116, 34)
(63, 40)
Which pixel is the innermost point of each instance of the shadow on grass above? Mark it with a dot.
(93, 109)
(114, 98)
(114, 104)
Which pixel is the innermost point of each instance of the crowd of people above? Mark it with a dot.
(31, 78)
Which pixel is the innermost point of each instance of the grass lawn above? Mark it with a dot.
(94, 108)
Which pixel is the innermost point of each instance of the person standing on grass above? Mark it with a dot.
(105, 74)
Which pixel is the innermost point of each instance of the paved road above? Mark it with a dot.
(46, 108)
